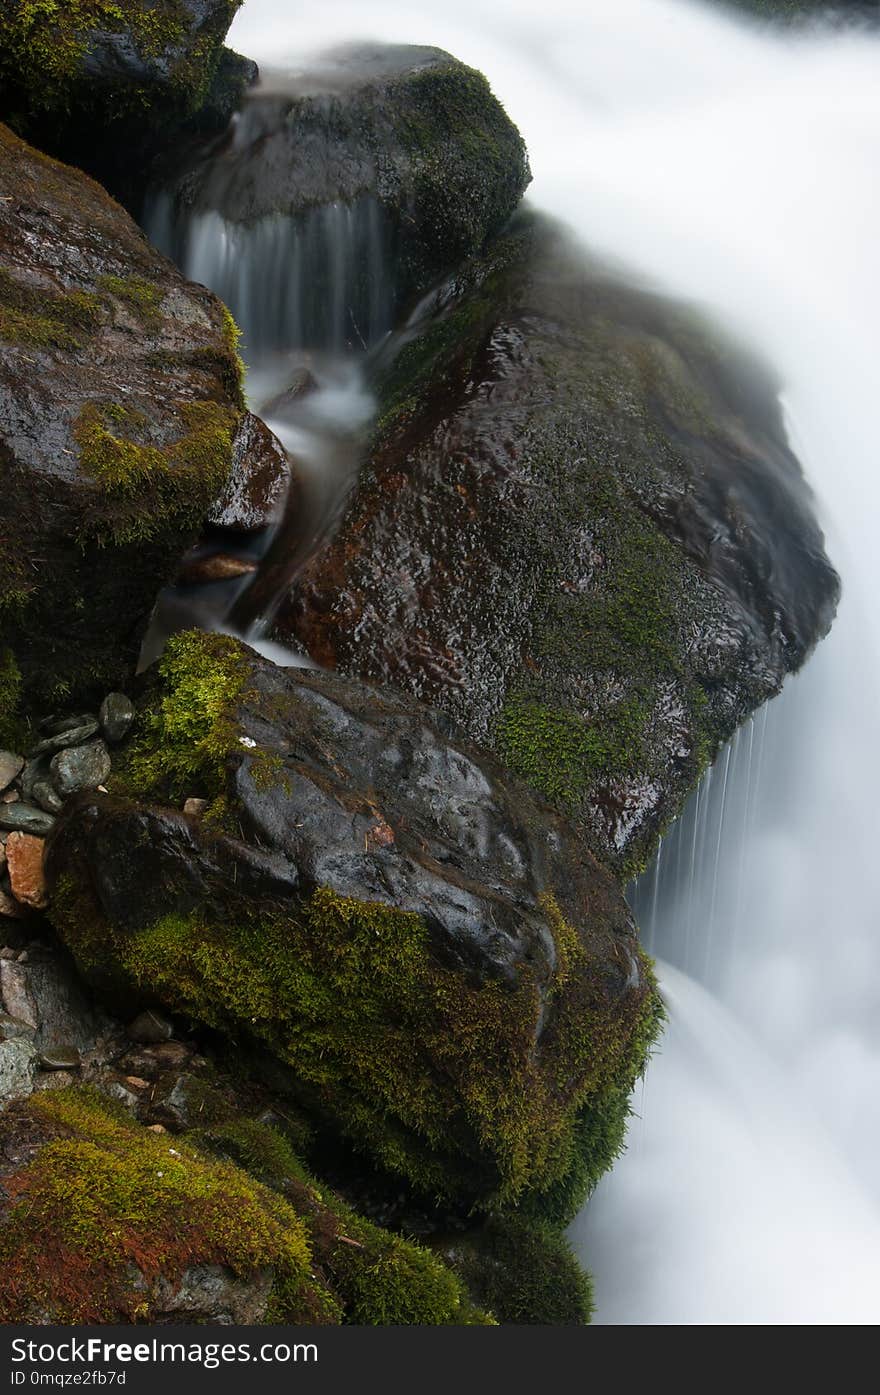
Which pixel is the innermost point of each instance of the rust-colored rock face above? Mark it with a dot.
(24, 857)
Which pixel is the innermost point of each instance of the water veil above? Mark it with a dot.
(735, 166)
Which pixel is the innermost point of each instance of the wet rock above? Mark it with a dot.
(124, 80)
(25, 818)
(24, 855)
(47, 797)
(73, 736)
(11, 767)
(259, 483)
(55, 725)
(581, 533)
(17, 1067)
(150, 1027)
(116, 717)
(369, 962)
(110, 362)
(412, 145)
(80, 768)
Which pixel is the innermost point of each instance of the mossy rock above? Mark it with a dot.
(580, 532)
(408, 130)
(447, 978)
(104, 1221)
(524, 1272)
(120, 402)
(104, 84)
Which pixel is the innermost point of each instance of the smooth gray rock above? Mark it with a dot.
(116, 716)
(48, 797)
(71, 736)
(80, 768)
(150, 1028)
(25, 818)
(11, 767)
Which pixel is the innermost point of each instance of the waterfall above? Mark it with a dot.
(736, 166)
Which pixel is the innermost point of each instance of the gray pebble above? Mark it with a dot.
(75, 736)
(116, 716)
(25, 818)
(80, 768)
(47, 797)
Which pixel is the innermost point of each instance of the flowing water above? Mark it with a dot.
(737, 167)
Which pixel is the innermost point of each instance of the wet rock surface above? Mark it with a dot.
(581, 533)
(364, 826)
(408, 135)
(258, 484)
(119, 401)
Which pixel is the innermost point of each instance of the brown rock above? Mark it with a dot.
(10, 907)
(218, 567)
(195, 807)
(24, 854)
(259, 482)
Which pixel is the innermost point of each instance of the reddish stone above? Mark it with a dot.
(24, 855)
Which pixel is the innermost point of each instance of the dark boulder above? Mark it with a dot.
(120, 400)
(397, 157)
(105, 86)
(449, 980)
(581, 532)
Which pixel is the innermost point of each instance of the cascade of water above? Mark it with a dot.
(738, 168)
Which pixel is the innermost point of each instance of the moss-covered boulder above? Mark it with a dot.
(104, 83)
(120, 404)
(411, 142)
(580, 532)
(102, 1221)
(447, 979)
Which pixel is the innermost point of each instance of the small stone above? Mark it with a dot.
(221, 566)
(151, 1028)
(59, 1058)
(53, 726)
(23, 957)
(10, 797)
(24, 854)
(10, 908)
(195, 807)
(25, 818)
(7, 952)
(11, 767)
(75, 736)
(80, 768)
(117, 1091)
(47, 797)
(156, 1128)
(102, 789)
(17, 1065)
(137, 1083)
(37, 769)
(116, 716)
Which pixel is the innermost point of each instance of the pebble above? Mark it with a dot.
(34, 770)
(24, 854)
(10, 797)
(10, 908)
(25, 818)
(53, 726)
(80, 768)
(75, 736)
(156, 1128)
(151, 1028)
(195, 807)
(221, 566)
(47, 797)
(60, 1058)
(116, 716)
(11, 767)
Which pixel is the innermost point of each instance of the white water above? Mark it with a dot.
(739, 168)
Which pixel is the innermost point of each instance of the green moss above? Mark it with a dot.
(437, 1077)
(147, 488)
(44, 44)
(11, 728)
(182, 743)
(375, 1278)
(525, 1273)
(103, 1197)
(142, 298)
(46, 318)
